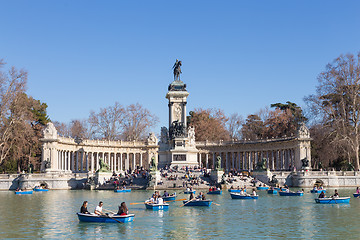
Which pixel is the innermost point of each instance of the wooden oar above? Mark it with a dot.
(107, 215)
(176, 200)
(216, 204)
(133, 203)
(109, 211)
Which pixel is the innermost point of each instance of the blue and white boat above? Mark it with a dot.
(37, 189)
(318, 190)
(188, 192)
(236, 190)
(217, 192)
(122, 190)
(272, 191)
(156, 206)
(262, 188)
(24, 192)
(333, 200)
(240, 196)
(197, 202)
(356, 195)
(111, 218)
(170, 197)
(282, 193)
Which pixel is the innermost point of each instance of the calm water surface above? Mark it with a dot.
(51, 215)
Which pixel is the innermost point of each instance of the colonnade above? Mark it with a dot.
(281, 159)
(83, 161)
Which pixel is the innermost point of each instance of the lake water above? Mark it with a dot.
(51, 215)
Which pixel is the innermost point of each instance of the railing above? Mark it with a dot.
(223, 143)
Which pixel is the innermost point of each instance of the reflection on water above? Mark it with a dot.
(52, 215)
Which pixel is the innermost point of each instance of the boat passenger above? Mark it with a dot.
(165, 194)
(159, 200)
(336, 194)
(287, 190)
(83, 208)
(123, 210)
(98, 209)
(232, 187)
(191, 196)
(238, 188)
(200, 196)
(203, 197)
(322, 195)
(242, 192)
(315, 188)
(357, 190)
(253, 192)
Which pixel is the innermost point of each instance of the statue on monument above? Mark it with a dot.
(153, 166)
(218, 163)
(103, 166)
(177, 70)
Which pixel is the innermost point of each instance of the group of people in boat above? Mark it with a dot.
(213, 189)
(156, 198)
(336, 194)
(201, 196)
(123, 210)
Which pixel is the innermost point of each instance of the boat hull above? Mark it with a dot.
(318, 191)
(189, 192)
(262, 188)
(272, 191)
(291, 193)
(156, 207)
(105, 219)
(40, 190)
(170, 198)
(199, 203)
(332, 200)
(356, 195)
(217, 192)
(23, 192)
(238, 196)
(122, 190)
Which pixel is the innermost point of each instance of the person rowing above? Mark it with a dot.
(165, 194)
(191, 196)
(98, 209)
(253, 192)
(123, 210)
(336, 194)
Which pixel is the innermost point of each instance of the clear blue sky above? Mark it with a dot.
(239, 56)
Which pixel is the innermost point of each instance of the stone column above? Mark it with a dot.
(121, 165)
(227, 160)
(92, 162)
(141, 163)
(126, 161)
(213, 160)
(86, 161)
(77, 161)
(207, 160)
(82, 160)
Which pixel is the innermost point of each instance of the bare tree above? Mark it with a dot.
(137, 122)
(234, 125)
(78, 129)
(12, 85)
(337, 101)
(108, 123)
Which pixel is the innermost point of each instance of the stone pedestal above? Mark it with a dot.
(155, 177)
(216, 175)
(100, 177)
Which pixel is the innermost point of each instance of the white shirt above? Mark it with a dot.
(98, 208)
(160, 201)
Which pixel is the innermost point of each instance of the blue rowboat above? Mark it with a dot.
(197, 202)
(236, 190)
(262, 188)
(40, 190)
(272, 191)
(218, 192)
(356, 194)
(238, 196)
(155, 206)
(122, 190)
(277, 188)
(170, 198)
(318, 191)
(83, 217)
(188, 192)
(281, 193)
(333, 200)
(24, 192)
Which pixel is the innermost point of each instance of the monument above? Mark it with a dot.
(177, 143)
